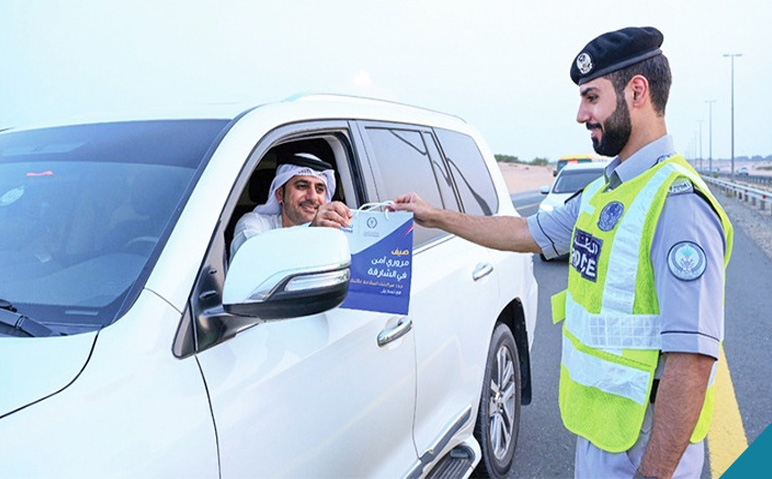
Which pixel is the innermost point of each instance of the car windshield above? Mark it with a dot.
(571, 181)
(83, 209)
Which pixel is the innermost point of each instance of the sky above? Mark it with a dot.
(502, 65)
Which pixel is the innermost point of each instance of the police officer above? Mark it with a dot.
(649, 244)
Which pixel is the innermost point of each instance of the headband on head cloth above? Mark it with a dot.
(302, 164)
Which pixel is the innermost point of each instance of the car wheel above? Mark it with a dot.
(498, 418)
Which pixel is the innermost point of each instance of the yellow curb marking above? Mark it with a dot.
(726, 436)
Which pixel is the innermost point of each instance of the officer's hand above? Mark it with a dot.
(421, 210)
(333, 215)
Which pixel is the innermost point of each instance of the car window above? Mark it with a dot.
(406, 165)
(441, 173)
(330, 141)
(83, 208)
(471, 175)
(571, 181)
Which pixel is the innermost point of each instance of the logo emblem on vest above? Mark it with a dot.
(686, 261)
(610, 215)
(584, 254)
(584, 63)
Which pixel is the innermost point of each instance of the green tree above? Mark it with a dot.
(507, 159)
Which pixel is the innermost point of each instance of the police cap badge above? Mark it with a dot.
(613, 51)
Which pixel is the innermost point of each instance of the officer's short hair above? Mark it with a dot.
(656, 70)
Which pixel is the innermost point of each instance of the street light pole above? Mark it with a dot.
(700, 122)
(732, 55)
(694, 150)
(710, 134)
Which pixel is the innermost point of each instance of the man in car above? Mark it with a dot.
(300, 193)
(649, 244)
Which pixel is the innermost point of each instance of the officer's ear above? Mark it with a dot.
(279, 194)
(639, 86)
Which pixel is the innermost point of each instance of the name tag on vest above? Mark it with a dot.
(584, 254)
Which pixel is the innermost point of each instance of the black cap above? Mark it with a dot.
(613, 51)
(306, 159)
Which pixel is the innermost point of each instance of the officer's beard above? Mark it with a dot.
(615, 132)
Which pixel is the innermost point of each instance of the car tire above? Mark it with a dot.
(498, 418)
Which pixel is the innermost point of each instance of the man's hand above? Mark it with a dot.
(422, 211)
(680, 397)
(333, 215)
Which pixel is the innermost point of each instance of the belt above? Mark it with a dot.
(653, 394)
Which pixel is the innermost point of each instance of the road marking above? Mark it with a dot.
(726, 436)
(522, 207)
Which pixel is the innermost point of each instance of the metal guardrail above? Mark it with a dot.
(756, 179)
(743, 192)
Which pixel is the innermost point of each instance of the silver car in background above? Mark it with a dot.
(571, 179)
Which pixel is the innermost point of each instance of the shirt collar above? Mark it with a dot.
(643, 159)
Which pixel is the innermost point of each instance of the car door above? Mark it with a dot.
(454, 289)
(312, 396)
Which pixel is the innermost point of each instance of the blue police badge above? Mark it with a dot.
(610, 215)
(585, 253)
(686, 261)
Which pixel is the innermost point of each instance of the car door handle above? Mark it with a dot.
(482, 270)
(388, 335)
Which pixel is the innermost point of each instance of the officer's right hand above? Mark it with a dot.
(422, 211)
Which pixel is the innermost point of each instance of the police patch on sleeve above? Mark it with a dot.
(686, 261)
(681, 186)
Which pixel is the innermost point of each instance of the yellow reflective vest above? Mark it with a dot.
(611, 333)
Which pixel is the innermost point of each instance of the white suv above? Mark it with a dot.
(129, 350)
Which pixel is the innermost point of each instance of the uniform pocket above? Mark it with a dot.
(635, 453)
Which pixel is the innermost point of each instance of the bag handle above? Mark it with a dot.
(384, 206)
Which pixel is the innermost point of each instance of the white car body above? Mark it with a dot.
(311, 396)
(565, 186)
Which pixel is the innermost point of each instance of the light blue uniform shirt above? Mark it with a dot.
(692, 312)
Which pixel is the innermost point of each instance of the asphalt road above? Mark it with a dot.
(546, 449)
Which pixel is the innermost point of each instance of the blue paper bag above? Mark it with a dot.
(381, 244)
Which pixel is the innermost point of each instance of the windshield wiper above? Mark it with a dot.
(20, 322)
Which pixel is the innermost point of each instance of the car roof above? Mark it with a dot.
(340, 105)
(589, 165)
(584, 156)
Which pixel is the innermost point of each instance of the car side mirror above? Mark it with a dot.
(288, 272)
(545, 189)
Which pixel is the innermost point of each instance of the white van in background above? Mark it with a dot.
(572, 178)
